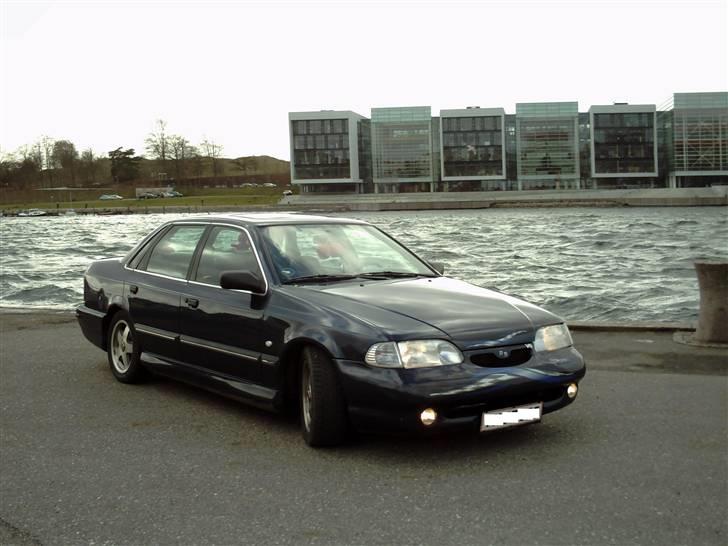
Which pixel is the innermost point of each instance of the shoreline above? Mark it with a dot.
(650, 197)
(715, 196)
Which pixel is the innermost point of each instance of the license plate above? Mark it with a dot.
(511, 417)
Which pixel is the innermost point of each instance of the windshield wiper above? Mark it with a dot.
(391, 275)
(319, 278)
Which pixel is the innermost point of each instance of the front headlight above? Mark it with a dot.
(550, 338)
(413, 354)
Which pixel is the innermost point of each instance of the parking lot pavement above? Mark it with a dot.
(641, 457)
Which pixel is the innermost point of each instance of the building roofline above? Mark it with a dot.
(324, 114)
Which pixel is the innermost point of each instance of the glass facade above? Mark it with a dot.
(700, 133)
(511, 152)
(364, 141)
(624, 142)
(472, 146)
(321, 149)
(548, 141)
(401, 144)
(541, 146)
(585, 150)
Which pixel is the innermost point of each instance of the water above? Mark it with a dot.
(582, 263)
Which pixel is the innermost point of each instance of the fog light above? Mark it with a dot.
(428, 416)
(571, 390)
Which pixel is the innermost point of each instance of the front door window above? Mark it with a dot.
(226, 249)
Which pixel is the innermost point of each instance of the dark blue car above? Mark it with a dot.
(331, 317)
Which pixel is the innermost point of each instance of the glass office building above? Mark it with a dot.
(473, 148)
(623, 144)
(548, 145)
(547, 135)
(325, 151)
(699, 139)
(402, 149)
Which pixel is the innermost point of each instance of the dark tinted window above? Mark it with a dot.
(226, 249)
(138, 258)
(172, 255)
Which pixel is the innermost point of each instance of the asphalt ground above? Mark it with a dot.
(641, 457)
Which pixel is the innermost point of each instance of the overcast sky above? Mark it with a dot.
(100, 73)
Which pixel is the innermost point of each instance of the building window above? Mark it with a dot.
(323, 152)
(472, 146)
(626, 140)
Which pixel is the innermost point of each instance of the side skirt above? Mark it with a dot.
(230, 387)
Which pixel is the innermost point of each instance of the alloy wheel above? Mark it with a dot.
(306, 395)
(122, 347)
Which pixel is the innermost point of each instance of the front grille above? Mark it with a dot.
(505, 400)
(499, 357)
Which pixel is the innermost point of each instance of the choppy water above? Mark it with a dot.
(582, 263)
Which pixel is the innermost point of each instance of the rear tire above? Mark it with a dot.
(123, 350)
(323, 409)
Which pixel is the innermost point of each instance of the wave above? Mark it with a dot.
(612, 264)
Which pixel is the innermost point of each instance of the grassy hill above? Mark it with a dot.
(193, 178)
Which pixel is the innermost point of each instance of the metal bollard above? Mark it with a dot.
(713, 316)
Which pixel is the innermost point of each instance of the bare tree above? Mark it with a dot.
(181, 152)
(65, 155)
(89, 165)
(45, 150)
(22, 168)
(213, 151)
(158, 142)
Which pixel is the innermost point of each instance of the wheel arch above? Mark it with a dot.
(290, 370)
(111, 312)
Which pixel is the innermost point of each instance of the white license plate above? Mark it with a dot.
(511, 417)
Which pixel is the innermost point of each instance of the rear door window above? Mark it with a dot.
(173, 253)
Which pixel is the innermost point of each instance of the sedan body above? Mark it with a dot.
(331, 316)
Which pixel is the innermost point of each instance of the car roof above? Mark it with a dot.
(270, 219)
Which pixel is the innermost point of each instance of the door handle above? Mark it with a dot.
(133, 289)
(192, 302)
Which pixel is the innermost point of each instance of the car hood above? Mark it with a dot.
(471, 316)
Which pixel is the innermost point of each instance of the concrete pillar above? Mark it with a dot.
(713, 317)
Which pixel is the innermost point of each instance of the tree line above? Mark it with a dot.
(49, 162)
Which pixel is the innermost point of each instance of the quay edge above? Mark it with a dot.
(656, 197)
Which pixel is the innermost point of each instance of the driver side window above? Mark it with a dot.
(226, 249)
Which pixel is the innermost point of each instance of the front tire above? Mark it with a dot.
(123, 351)
(323, 410)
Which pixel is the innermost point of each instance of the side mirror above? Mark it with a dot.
(243, 280)
(438, 266)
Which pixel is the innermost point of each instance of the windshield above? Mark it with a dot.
(337, 251)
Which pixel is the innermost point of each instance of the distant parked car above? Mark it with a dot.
(148, 195)
(269, 185)
(287, 192)
(171, 194)
(110, 197)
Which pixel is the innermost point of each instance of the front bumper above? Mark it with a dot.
(391, 400)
